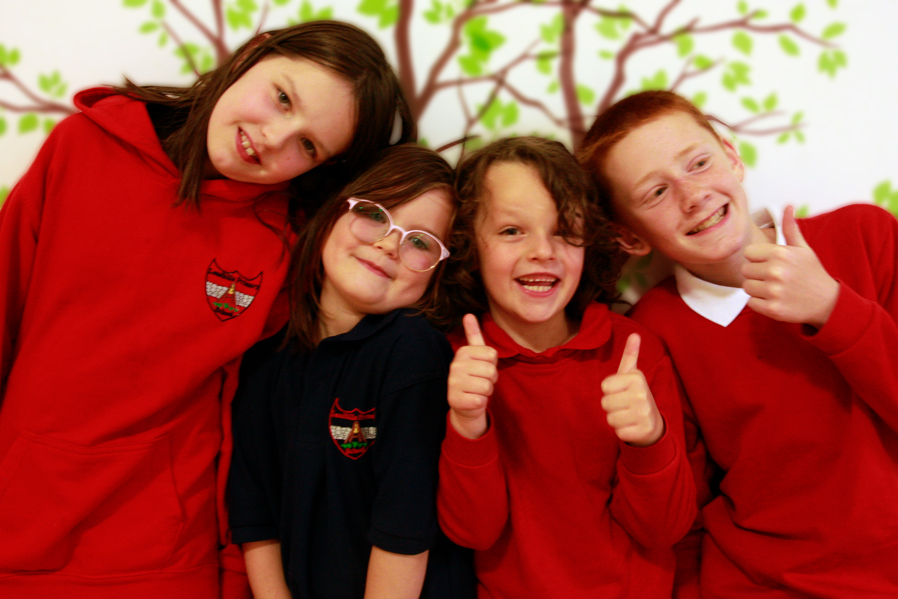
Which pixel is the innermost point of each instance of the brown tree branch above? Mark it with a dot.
(402, 39)
(39, 104)
(217, 41)
(187, 56)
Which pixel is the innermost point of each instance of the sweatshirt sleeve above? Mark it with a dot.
(472, 501)
(20, 221)
(654, 496)
(861, 335)
(254, 479)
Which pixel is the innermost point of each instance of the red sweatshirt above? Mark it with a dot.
(800, 428)
(123, 320)
(552, 502)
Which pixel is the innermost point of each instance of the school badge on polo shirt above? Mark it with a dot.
(230, 293)
(353, 431)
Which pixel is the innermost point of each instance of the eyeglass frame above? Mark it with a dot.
(444, 253)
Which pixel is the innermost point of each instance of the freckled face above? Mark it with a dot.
(678, 189)
(369, 278)
(530, 272)
(283, 117)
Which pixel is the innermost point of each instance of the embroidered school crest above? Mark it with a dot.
(229, 293)
(353, 431)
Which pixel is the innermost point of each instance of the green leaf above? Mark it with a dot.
(489, 116)
(470, 66)
(432, 17)
(389, 17)
(796, 118)
(803, 211)
(834, 30)
(14, 57)
(751, 104)
(659, 81)
(840, 58)
(2, 125)
(4, 193)
(3, 57)
(552, 32)
(826, 65)
(163, 39)
(684, 43)
(743, 7)
(149, 27)
(770, 102)
(607, 28)
(760, 14)
(544, 62)
(134, 3)
(281, 2)
(623, 283)
(788, 46)
(158, 9)
(553, 87)
(702, 62)
(606, 54)
(799, 136)
(510, 114)
(797, 14)
(247, 5)
(742, 42)
(783, 138)
(48, 126)
(832, 3)
(728, 82)
(28, 123)
(748, 153)
(882, 192)
(585, 95)
(700, 99)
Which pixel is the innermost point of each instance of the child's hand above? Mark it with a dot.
(472, 375)
(788, 283)
(628, 401)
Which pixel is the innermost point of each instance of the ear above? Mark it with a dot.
(736, 164)
(629, 241)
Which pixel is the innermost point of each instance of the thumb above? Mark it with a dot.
(791, 232)
(472, 330)
(631, 354)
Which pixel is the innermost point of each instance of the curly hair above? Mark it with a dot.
(578, 213)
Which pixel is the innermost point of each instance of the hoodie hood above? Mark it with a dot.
(126, 119)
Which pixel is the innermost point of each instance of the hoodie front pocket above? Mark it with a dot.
(110, 509)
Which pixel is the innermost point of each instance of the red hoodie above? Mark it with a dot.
(123, 320)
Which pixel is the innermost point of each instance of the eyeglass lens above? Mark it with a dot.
(418, 250)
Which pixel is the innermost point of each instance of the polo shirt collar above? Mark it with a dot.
(718, 303)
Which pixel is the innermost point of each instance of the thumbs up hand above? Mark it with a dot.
(628, 401)
(789, 283)
(472, 376)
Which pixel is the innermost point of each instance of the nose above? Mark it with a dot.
(280, 132)
(542, 247)
(390, 243)
(692, 194)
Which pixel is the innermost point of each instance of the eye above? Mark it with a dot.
(309, 147)
(419, 242)
(701, 163)
(370, 212)
(510, 231)
(283, 98)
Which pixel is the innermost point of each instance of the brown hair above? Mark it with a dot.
(569, 186)
(345, 49)
(398, 175)
(616, 122)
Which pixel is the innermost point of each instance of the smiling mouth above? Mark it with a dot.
(711, 220)
(537, 285)
(247, 145)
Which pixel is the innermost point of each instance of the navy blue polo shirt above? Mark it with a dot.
(337, 449)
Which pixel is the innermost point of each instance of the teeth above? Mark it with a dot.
(710, 221)
(246, 145)
(537, 285)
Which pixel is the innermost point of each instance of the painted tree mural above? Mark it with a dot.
(499, 67)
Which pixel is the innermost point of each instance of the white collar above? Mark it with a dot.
(718, 303)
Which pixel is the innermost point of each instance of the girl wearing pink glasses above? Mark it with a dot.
(337, 432)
